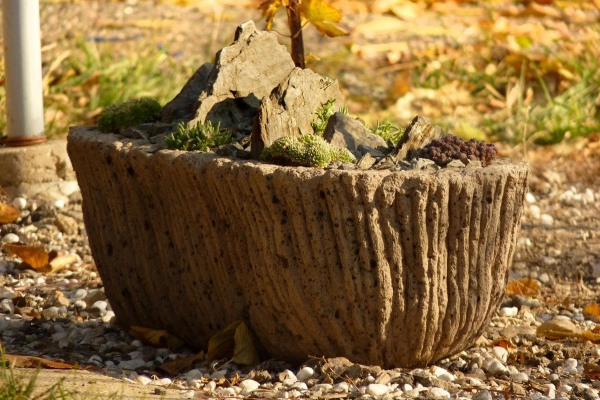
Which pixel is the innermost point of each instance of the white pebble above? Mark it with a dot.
(248, 386)
(59, 203)
(524, 242)
(500, 353)
(547, 219)
(494, 366)
(218, 374)
(439, 392)
(10, 238)
(301, 386)
(305, 373)
(210, 386)
(341, 387)
(530, 198)
(323, 387)
(226, 392)
(587, 196)
(99, 305)
(142, 379)
(536, 396)
(519, 377)
(21, 203)
(287, 374)
(137, 343)
(566, 388)
(376, 389)
(407, 387)
(570, 362)
(508, 311)
(550, 391)
(108, 317)
(534, 211)
(553, 377)
(187, 394)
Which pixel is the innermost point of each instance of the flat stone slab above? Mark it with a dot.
(389, 268)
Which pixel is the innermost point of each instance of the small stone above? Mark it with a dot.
(80, 294)
(99, 306)
(60, 203)
(19, 203)
(455, 164)
(305, 373)
(439, 392)
(66, 224)
(546, 219)
(10, 238)
(142, 379)
(186, 394)
(301, 386)
(341, 387)
(550, 391)
(500, 353)
(162, 381)
(80, 305)
(494, 366)
(7, 306)
(519, 377)
(366, 162)
(508, 311)
(347, 166)
(482, 395)
(417, 135)
(248, 386)
(132, 364)
(50, 312)
(530, 198)
(377, 389)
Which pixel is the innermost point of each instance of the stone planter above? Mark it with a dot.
(388, 268)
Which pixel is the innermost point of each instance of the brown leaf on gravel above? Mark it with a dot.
(156, 337)
(172, 368)
(36, 257)
(592, 371)
(525, 287)
(503, 342)
(34, 362)
(8, 213)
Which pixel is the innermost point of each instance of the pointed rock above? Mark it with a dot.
(419, 133)
(290, 108)
(344, 131)
(245, 72)
(182, 105)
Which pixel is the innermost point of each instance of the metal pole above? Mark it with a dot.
(23, 68)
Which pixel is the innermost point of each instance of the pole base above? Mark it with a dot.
(22, 141)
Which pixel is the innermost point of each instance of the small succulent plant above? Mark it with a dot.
(323, 113)
(121, 116)
(200, 137)
(306, 150)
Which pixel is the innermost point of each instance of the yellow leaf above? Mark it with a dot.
(244, 351)
(558, 329)
(8, 213)
(322, 15)
(525, 286)
(269, 8)
(34, 255)
(234, 343)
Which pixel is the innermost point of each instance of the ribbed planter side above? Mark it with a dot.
(389, 268)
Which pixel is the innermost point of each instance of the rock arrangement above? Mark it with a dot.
(255, 91)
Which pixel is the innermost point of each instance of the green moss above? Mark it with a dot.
(131, 113)
(306, 150)
(200, 137)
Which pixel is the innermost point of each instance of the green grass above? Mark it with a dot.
(79, 83)
(12, 387)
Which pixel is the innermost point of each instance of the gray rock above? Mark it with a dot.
(182, 105)
(374, 152)
(244, 73)
(424, 163)
(348, 132)
(418, 134)
(455, 164)
(290, 108)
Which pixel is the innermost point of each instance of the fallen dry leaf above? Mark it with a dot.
(36, 257)
(8, 213)
(592, 311)
(592, 371)
(172, 368)
(525, 287)
(35, 362)
(233, 343)
(156, 337)
(503, 342)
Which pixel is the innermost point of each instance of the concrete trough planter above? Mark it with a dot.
(387, 268)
